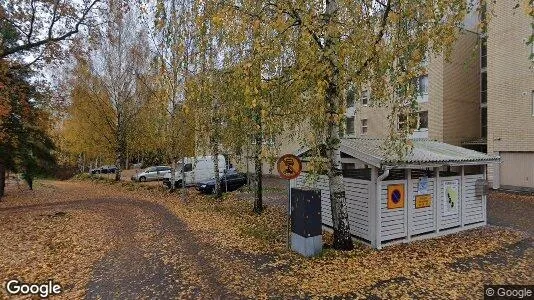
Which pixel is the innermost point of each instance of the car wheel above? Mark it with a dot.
(142, 179)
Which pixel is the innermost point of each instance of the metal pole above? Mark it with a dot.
(289, 215)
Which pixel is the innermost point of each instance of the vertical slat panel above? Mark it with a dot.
(357, 196)
(393, 221)
(449, 220)
(473, 210)
(423, 219)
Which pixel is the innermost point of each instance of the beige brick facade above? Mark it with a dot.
(510, 81)
(461, 91)
(453, 103)
(510, 87)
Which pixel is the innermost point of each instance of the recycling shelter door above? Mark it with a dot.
(450, 201)
(394, 203)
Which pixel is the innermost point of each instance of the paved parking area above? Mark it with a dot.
(511, 210)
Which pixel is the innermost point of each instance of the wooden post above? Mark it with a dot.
(409, 209)
(437, 211)
(378, 216)
(373, 214)
(378, 207)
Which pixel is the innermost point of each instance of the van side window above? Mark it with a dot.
(188, 167)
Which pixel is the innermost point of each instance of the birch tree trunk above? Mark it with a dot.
(127, 161)
(215, 139)
(248, 168)
(184, 184)
(80, 163)
(338, 202)
(118, 165)
(215, 156)
(121, 151)
(258, 201)
(173, 175)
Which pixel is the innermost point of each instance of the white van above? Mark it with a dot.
(196, 169)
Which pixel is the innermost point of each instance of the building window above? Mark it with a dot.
(422, 122)
(365, 97)
(532, 101)
(422, 85)
(350, 97)
(484, 121)
(350, 125)
(364, 126)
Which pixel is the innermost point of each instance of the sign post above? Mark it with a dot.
(289, 167)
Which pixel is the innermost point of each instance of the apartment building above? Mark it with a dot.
(448, 101)
(507, 93)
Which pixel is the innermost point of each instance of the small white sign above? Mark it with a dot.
(451, 196)
(422, 188)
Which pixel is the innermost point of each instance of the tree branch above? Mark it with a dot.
(379, 37)
(50, 39)
(32, 21)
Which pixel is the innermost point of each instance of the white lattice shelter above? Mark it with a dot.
(435, 189)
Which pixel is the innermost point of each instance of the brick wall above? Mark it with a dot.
(461, 91)
(510, 81)
(453, 98)
(510, 84)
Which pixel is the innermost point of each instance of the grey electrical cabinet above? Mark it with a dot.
(306, 225)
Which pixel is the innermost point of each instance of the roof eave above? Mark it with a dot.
(366, 158)
(415, 165)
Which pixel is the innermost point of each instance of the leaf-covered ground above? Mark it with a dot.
(123, 241)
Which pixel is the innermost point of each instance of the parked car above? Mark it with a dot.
(229, 182)
(104, 170)
(152, 173)
(137, 166)
(195, 169)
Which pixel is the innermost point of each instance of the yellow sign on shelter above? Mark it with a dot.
(422, 201)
